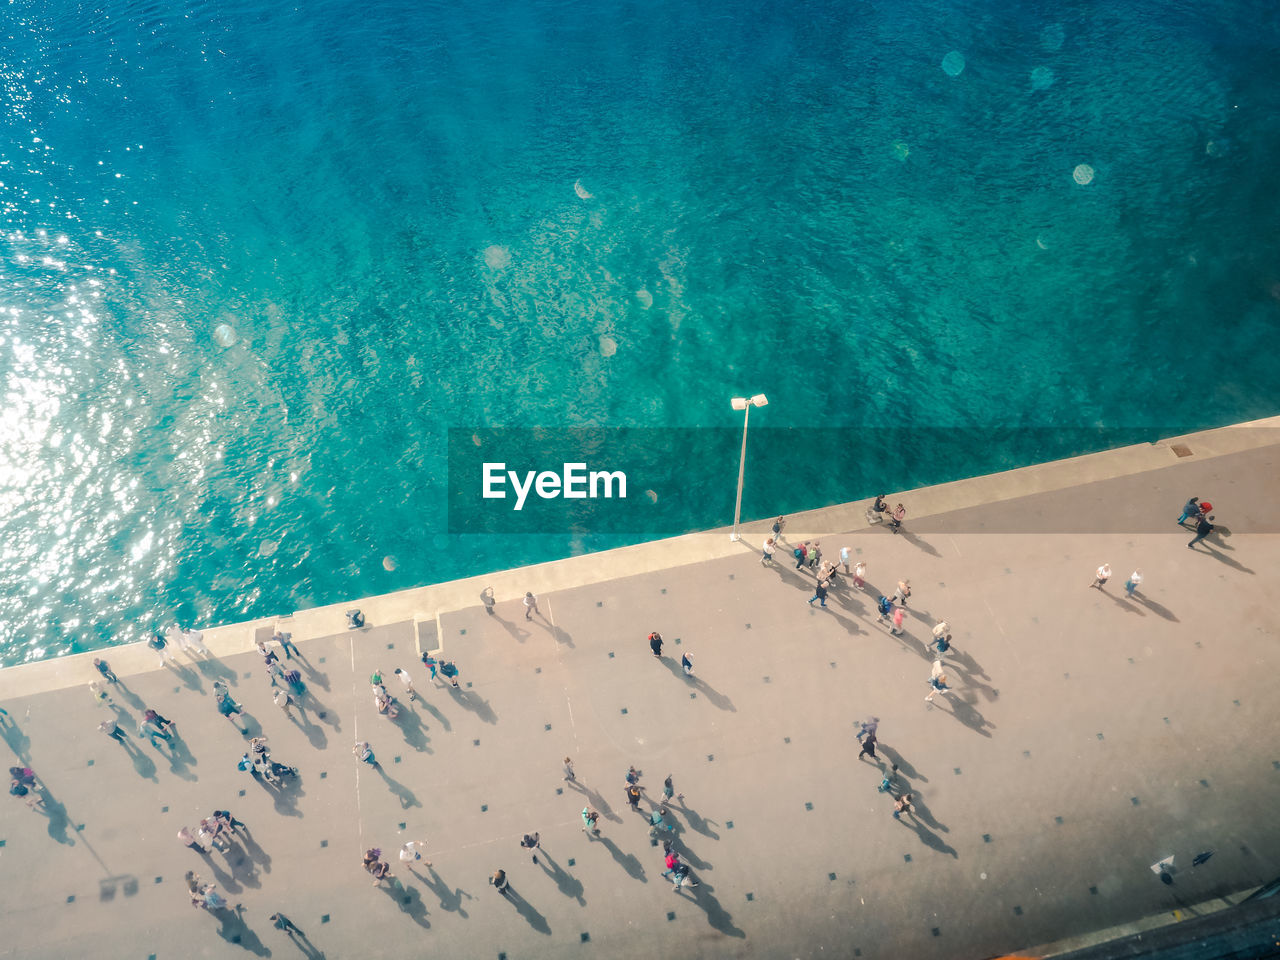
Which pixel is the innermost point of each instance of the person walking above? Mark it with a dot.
(531, 841)
(105, 670)
(1102, 576)
(530, 605)
(656, 821)
(1190, 509)
(686, 664)
(589, 819)
(633, 796)
(903, 805)
(112, 729)
(99, 695)
(815, 554)
(941, 629)
(569, 775)
(820, 593)
(899, 614)
(845, 554)
(284, 702)
(942, 644)
(364, 753)
(669, 791)
(869, 727)
(885, 606)
(411, 853)
(869, 747)
(777, 529)
(166, 726)
(766, 552)
(408, 683)
(291, 929)
(499, 881)
(449, 670)
(1203, 529)
(902, 593)
(655, 643)
(937, 681)
(801, 553)
(286, 642)
(1131, 585)
(486, 597)
(859, 574)
(165, 655)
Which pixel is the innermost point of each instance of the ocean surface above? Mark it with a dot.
(259, 259)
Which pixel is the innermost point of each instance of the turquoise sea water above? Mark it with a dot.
(258, 259)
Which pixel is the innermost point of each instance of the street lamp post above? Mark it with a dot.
(745, 405)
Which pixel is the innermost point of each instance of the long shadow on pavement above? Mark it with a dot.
(450, 898)
(409, 901)
(1156, 608)
(412, 728)
(235, 930)
(628, 861)
(905, 769)
(698, 823)
(714, 696)
(406, 796)
(931, 839)
(569, 885)
(598, 802)
(473, 702)
(717, 916)
(536, 920)
(439, 717)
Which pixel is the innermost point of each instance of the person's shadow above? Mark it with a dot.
(406, 796)
(628, 861)
(569, 885)
(717, 915)
(931, 839)
(409, 901)
(714, 696)
(526, 909)
(473, 702)
(1155, 607)
(412, 728)
(450, 898)
(234, 930)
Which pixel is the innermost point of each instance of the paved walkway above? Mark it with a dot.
(1090, 735)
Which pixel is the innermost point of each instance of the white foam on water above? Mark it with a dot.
(225, 335)
(1042, 78)
(582, 191)
(645, 298)
(1041, 242)
(496, 257)
(953, 63)
(1082, 174)
(608, 346)
(267, 547)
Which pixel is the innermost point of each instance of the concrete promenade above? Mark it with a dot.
(1088, 736)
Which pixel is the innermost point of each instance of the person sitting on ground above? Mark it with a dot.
(355, 619)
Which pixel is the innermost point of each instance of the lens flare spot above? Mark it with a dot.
(267, 547)
(1083, 174)
(1041, 78)
(496, 257)
(389, 563)
(953, 63)
(608, 346)
(582, 191)
(225, 335)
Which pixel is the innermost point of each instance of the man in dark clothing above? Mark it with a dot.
(801, 553)
(1203, 529)
(655, 643)
(868, 747)
(820, 593)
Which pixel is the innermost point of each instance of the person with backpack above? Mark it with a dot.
(801, 553)
(885, 606)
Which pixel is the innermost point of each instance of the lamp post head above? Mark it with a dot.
(759, 400)
(741, 403)
(738, 403)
